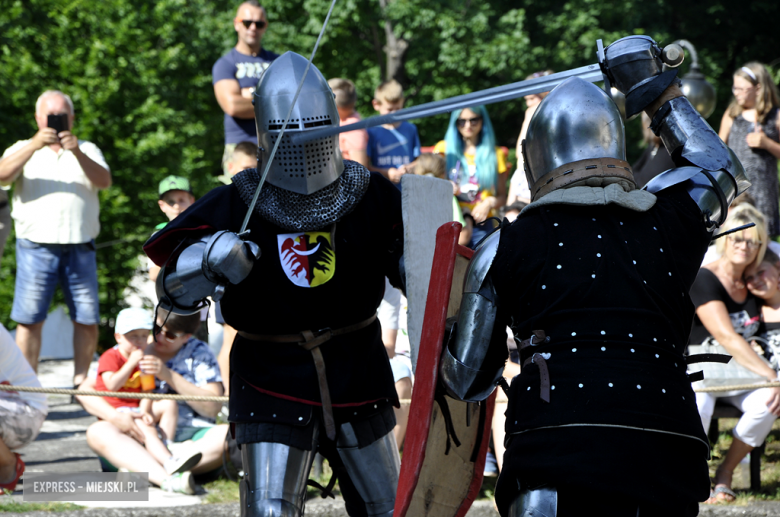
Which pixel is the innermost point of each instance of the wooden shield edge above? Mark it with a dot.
(479, 466)
(427, 372)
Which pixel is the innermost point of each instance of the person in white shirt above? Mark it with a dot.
(21, 414)
(56, 180)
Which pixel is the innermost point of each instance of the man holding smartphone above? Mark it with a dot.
(235, 76)
(56, 180)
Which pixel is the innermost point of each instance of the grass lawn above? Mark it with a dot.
(770, 465)
(10, 506)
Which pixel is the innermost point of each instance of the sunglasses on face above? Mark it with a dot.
(260, 24)
(170, 336)
(472, 121)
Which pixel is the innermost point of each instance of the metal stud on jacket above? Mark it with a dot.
(302, 168)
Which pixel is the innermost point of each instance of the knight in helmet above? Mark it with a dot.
(593, 278)
(309, 372)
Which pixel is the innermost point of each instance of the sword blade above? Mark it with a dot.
(590, 73)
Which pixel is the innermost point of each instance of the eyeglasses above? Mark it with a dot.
(471, 121)
(260, 24)
(750, 243)
(737, 89)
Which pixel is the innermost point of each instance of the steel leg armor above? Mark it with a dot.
(373, 469)
(275, 481)
(535, 503)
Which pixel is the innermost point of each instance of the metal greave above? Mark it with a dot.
(535, 503)
(373, 469)
(275, 481)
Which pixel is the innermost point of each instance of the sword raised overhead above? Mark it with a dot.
(590, 73)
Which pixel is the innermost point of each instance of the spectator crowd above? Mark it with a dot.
(55, 178)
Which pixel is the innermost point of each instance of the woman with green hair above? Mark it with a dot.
(475, 165)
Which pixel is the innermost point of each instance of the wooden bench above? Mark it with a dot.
(723, 410)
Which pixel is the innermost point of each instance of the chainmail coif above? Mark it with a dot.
(302, 212)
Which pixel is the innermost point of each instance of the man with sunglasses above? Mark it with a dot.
(235, 76)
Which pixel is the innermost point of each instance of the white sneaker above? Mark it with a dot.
(182, 483)
(176, 464)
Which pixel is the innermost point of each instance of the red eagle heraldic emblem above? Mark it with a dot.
(307, 258)
(441, 469)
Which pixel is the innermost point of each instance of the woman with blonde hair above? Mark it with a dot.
(728, 313)
(751, 127)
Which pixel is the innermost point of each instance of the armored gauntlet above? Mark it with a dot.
(634, 65)
(203, 269)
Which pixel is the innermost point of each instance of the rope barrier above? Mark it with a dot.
(123, 394)
(738, 387)
(214, 398)
(117, 394)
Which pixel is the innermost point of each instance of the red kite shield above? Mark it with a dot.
(438, 477)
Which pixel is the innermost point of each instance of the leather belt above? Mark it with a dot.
(311, 341)
(538, 338)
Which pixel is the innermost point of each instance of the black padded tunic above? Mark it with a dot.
(610, 288)
(303, 283)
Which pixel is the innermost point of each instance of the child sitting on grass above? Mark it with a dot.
(118, 370)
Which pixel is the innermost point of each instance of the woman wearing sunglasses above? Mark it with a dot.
(729, 314)
(475, 165)
(751, 127)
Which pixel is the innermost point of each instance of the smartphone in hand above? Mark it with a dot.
(58, 122)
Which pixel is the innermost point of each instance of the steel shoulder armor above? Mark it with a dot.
(711, 172)
(461, 366)
(203, 269)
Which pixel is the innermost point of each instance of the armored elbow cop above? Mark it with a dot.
(203, 269)
(710, 171)
(462, 371)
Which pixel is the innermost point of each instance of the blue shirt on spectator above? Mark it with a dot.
(393, 147)
(247, 71)
(198, 365)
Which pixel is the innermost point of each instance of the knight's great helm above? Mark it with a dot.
(576, 137)
(307, 167)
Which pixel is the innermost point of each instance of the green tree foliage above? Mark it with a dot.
(140, 76)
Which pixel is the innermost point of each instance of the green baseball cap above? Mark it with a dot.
(174, 183)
